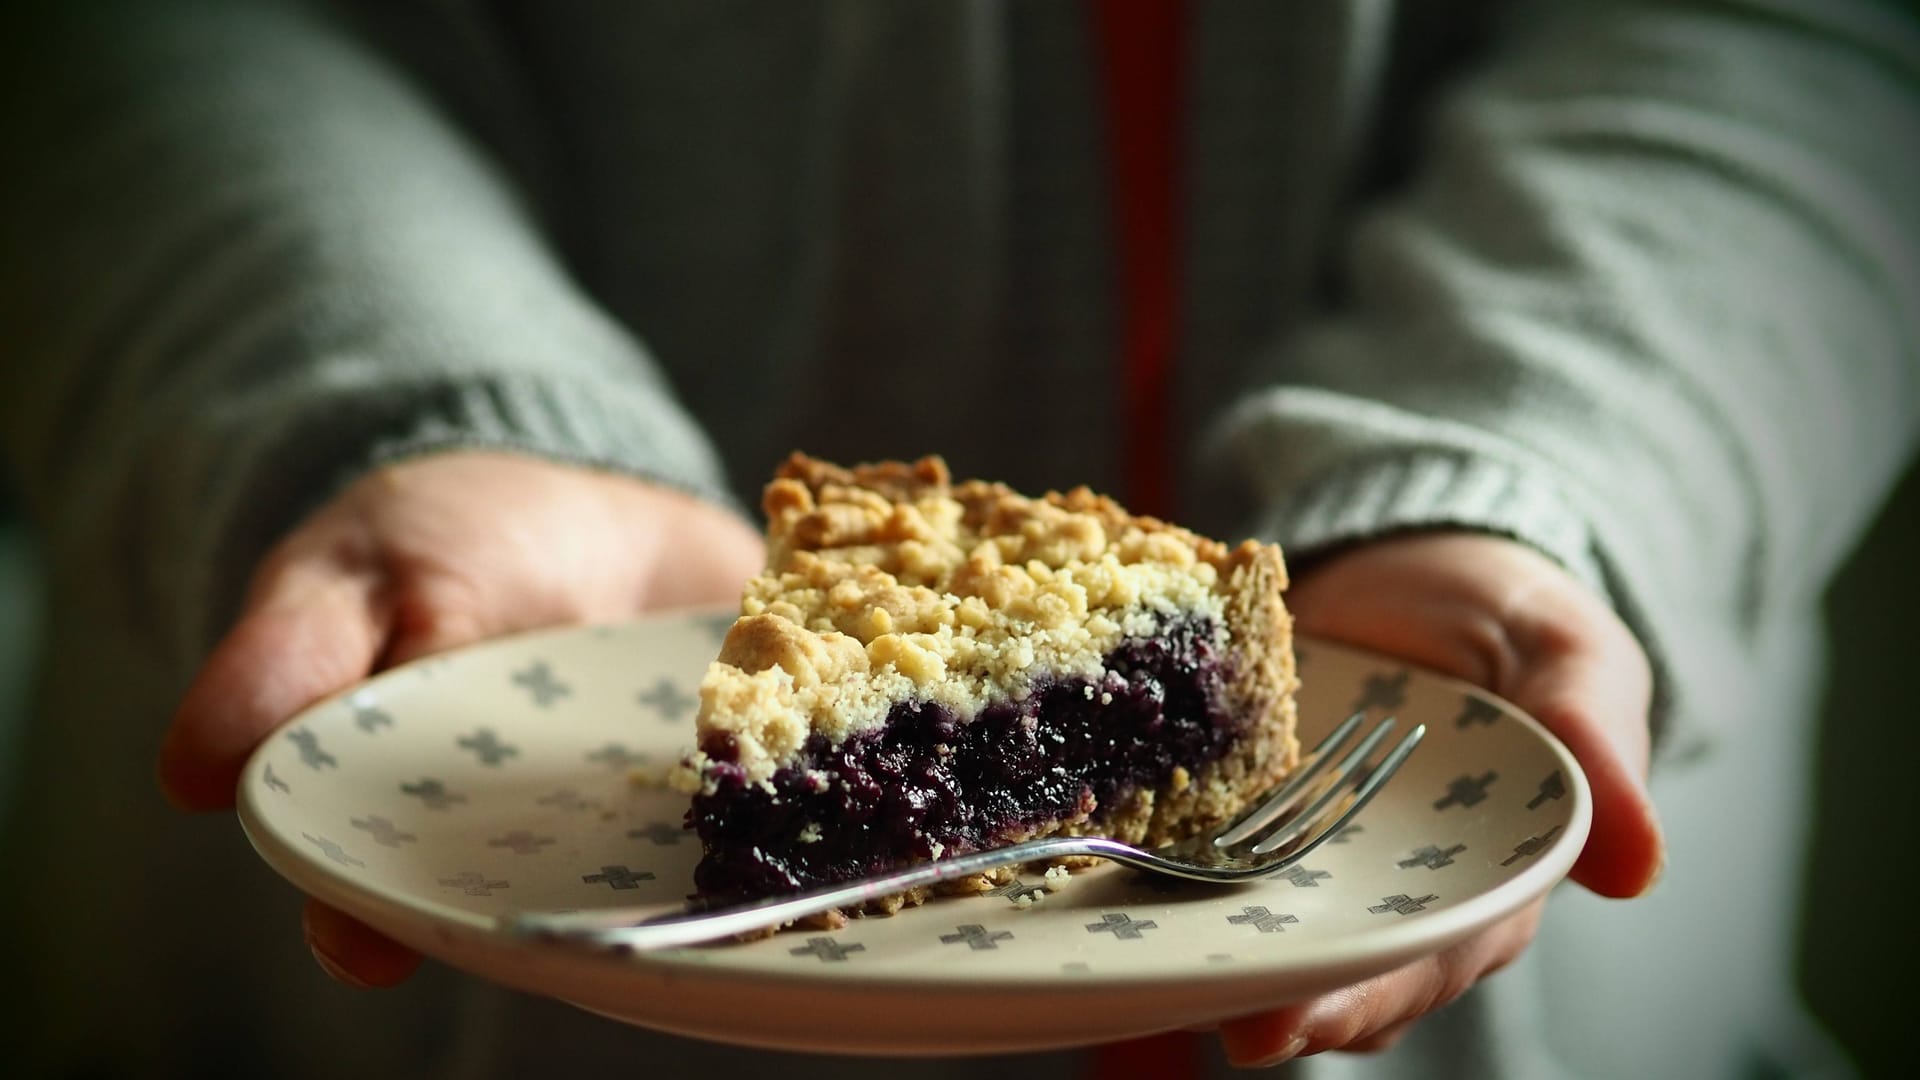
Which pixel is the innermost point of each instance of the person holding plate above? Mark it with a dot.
(1565, 348)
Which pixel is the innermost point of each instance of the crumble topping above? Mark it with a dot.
(890, 583)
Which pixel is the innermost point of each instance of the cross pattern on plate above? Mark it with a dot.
(1511, 807)
(486, 746)
(976, 937)
(1466, 790)
(1530, 846)
(618, 877)
(332, 850)
(660, 832)
(1432, 856)
(432, 793)
(667, 701)
(521, 842)
(384, 832)
(1476, 710)
(616, 756)
(1300, 877)
(308, 744)
(1402, 904)
(1122, 926)
(368, 716)
(1017, 891)
(827, 950)
(1383, 691)
(538, 680)
(473, 883)
(1262, 920)
(1553, 787)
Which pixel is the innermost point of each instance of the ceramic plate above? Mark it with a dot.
(523, 774)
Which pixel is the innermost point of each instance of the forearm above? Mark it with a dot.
(244, 261)
(1647, 307)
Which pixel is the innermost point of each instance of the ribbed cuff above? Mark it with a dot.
(302, 450)
(1423, 489)
(642, 435)
(1431, 489)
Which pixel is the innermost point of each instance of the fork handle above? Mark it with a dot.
(630, 929)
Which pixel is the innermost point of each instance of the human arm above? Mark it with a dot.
(1501, 615)
(422, 556)
(1645, 307)
(244, 260)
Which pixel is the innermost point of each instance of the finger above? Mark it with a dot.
(1360, 1016)
(715, 573)
(353, 952)
(310, 630)
(440, 606)
(1503, 617)
(713, 570)
(1625, 851)
(1586, 679)
(1333, 1021)
(1381, 1041)
(1347, 1018)
(436, 612)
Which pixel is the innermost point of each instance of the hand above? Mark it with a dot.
(425, 556)
(1501, 616)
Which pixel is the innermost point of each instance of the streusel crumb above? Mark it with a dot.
(890, 583)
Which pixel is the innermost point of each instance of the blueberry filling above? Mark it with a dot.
(926, 782)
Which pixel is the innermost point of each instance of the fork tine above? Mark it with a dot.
(1297, 823)
(1363, 792)
(1261, 816)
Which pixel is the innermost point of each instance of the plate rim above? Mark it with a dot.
(313, 875)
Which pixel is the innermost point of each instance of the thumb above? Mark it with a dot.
(311, 628)
(1601, 719)
(1501, 616)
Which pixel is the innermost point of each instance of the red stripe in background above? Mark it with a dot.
(1143, 51)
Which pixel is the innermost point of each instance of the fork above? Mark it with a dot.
(1277, 833)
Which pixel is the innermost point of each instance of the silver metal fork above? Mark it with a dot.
(1281, 829)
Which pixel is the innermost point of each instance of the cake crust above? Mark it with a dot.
(893, 591)
(887, 582)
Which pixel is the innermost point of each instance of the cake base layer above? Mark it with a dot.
(1149, 750)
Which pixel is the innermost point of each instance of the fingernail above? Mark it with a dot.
(332, 968)
(1283, 1055)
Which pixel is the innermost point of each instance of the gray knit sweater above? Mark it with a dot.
(1632, 282)
(1640, 292)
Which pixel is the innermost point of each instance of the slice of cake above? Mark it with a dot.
(929, 668)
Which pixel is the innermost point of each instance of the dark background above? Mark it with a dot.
(1860, 951)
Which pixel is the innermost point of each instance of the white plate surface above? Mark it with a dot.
(445, 793)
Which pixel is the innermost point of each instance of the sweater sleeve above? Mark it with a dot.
(1648, 304)
(243, 259)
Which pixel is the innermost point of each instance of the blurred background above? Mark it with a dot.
(1857, 939)
(19, 607)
